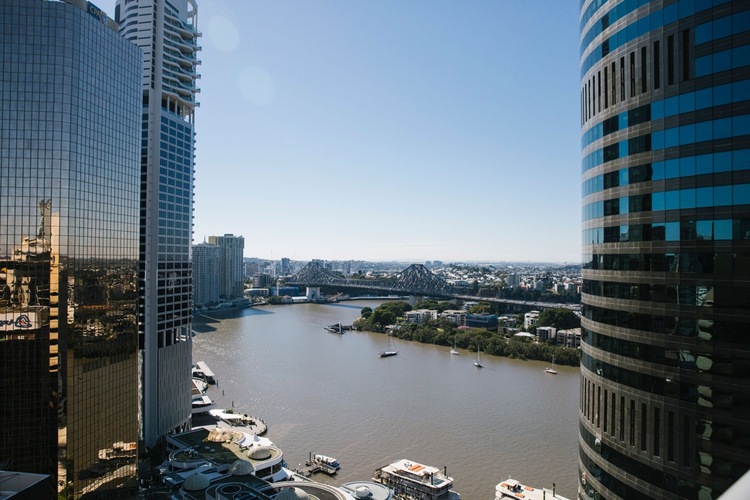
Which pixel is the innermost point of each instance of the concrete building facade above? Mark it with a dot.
(167, 33)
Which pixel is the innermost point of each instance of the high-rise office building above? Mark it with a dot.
(665, 117)
(167, 33)
(70, 106)
(206, 258)
(231, 265)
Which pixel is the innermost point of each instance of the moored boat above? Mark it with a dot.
(512, 489)
(327, 461)
(412, 480)
(553, 368)
(389, 351)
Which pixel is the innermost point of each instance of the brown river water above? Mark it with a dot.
(328, 393)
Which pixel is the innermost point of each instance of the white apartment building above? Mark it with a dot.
(418, 316)
(167, 33)
(231, 265)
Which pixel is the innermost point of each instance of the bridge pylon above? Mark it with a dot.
(414, 299)
(312, 293)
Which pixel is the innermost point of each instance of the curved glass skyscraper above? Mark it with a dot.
(665, 118)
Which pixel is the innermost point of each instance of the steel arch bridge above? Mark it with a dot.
(414, 280)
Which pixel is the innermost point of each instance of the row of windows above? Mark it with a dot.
(688, 295)
(722, 61)
(685, 166)
(734, 399)
(685, 488)
(614, 485)
(687, 230)
(721, 128)
(643, 26)
(691, 360)
(717, 331)
(688, 102)
(695, 261)
(702, 197)
(608, 18)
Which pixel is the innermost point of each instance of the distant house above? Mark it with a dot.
(455, 316)
(419, 316)
(530, 319)
(569, 338)
(546, 333)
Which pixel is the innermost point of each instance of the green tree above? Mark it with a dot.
(481, 308)
(366, 312)
(559, 317)
(382, 318)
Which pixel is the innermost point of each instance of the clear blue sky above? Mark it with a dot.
(390, 130)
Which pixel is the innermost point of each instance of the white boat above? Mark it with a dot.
(412, 480)
(327, 461)
(389, 351)
(454, 351)
(200, 401)
(478, 361)
(551, 369)
(202, 371)
(514, 490)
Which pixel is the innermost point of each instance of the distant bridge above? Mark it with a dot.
(415, 280)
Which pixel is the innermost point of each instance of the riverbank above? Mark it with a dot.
(443, 332)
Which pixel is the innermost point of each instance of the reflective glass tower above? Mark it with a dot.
(167, 33)
(665, 117)
(69, 193)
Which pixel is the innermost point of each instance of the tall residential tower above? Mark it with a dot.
(665, 117)
(70, 108)
(167, 33)
(231, 265)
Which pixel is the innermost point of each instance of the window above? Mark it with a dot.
(644, 424)
(657, 65)
(686, 432)
(644, 67)
(632, 422)
(606, 89)
(657, 432)
(686, 55)
(670, 59)
(670, 436)
(632, 74)
(614, 84)
(622, 78)
(606, 401)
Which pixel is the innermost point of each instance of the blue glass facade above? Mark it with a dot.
(665, 142)
(70, 101)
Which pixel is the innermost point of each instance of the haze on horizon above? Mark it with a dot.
(382, 131)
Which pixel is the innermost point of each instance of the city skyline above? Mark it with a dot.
(389, 131)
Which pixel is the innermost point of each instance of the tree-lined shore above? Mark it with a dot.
(386, 318)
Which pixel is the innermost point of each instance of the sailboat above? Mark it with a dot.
(454, 351)
(551, 369)
(389, 351)
(478, 362)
